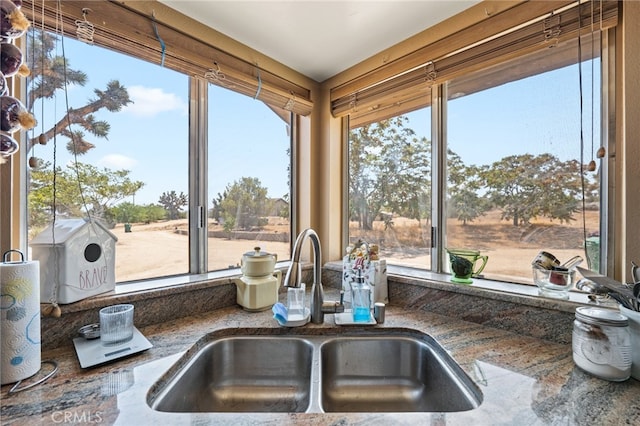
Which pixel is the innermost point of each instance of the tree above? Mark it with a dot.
(78, 188)
(243, 203)
(527, 186)
(464, 185)
(285, 210)
(129, 212)
(389, 169)
(50, 74)
(173, 203)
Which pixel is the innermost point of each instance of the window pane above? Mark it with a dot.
(390, 187)
(249, 163)
(515, 184)
(132, 157)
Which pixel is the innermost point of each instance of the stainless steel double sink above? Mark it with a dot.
(299, 370)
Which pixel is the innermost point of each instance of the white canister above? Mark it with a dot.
(601, 343)
(634, 328)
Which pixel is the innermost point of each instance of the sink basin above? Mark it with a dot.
(390, 374)
(243, 374)
(297, 370)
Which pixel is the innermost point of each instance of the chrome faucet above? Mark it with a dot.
(292, 279)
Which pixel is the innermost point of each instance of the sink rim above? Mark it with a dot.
(317, 337)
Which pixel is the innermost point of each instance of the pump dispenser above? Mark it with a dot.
(361, 299)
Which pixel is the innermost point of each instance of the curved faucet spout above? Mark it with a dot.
(293, 277)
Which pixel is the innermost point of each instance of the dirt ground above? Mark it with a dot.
(153, 250)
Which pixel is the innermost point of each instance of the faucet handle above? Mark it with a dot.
(334, 306)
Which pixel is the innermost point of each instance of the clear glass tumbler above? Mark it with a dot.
(116, 324)
(295, 301)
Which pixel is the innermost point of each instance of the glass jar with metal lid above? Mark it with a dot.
(601, 343)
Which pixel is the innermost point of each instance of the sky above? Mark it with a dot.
(519, 117)
(246, 139)
(150, 136)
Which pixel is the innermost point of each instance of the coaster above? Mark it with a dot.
(93, 352)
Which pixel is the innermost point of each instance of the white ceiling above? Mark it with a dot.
(319, 38)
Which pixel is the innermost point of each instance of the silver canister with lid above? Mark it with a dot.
(601, 343)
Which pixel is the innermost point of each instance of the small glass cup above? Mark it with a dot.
(116, 324)
(295, 301)
(554, 283)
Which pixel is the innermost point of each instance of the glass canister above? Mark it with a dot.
(601, 343)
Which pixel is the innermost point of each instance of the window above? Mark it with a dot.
(512, 146)
(129, 167)
(516, 170)
(390, 187)
(249, 163)
(126, 162)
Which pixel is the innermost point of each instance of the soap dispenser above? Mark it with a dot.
(361, 299)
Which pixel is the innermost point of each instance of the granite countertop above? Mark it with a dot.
(524, 380)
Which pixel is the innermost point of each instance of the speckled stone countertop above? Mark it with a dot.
(524, 380)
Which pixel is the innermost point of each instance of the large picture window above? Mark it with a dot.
(125, 159)
(517, 165)
(515, 142)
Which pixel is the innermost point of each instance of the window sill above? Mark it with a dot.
(496, 290)
(140, 290)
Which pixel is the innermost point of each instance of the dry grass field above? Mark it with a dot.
(153, 250)
(510, 249)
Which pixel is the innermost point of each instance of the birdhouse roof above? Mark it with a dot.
(65, 229)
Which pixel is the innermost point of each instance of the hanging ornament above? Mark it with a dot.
(4, 87)
(35, 163)
(42, 139)
(8, 146)
(591, 166)
(14, 116)
(601, 152)
(52, 310)
(11, 62)
(13, 23)
(85, 29)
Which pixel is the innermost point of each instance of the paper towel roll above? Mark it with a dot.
(20, 316)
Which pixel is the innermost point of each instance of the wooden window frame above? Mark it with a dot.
(125, 30)
(405, 84)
